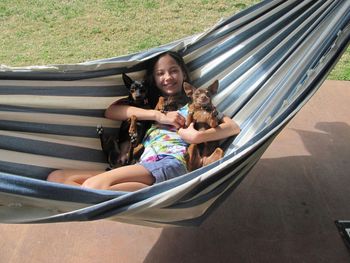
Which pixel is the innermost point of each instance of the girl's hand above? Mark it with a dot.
(225, 129)
(190, 134)
(171, 118)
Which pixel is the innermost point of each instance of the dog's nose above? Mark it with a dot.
(203, 96)
(137, 93)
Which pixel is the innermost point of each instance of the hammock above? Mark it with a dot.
(344, 230)
(270, 59)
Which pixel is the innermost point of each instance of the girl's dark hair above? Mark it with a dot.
(154, 91)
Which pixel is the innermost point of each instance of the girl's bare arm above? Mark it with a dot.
(225, 129)
(123, 112)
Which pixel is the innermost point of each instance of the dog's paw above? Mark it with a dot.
(123, 160)
(133, 138)
(215, 156)
(99, 129)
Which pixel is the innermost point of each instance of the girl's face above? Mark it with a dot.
(168, 75)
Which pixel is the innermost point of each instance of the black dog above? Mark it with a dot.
(126, 148)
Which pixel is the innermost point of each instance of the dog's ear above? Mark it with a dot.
(213, 88)
(127, 80)
(189, 89)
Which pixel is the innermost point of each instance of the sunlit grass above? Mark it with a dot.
(40, 32)
(342, 69)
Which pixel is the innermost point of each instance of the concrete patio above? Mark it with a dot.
(283, 211)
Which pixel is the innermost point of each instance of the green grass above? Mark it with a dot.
(41, 32)
(342, 70)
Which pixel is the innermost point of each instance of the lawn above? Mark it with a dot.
(40, 32)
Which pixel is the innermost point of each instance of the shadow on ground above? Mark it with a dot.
(283, 211)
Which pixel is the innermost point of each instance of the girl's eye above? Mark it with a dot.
(159, 74)
(174, 71)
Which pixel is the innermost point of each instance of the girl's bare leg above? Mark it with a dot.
(125, 178)
(71, 176)
(131, 186)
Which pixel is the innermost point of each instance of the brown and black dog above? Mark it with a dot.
(126, 148)
(171, 103)
(204, 115)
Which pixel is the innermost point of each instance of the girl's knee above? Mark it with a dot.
(93, 183)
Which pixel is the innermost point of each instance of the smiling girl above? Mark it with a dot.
(165, 142)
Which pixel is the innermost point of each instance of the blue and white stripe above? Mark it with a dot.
(270, 59)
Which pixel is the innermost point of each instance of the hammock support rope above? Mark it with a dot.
(269, 59)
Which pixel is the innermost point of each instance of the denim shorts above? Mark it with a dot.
(167, 168)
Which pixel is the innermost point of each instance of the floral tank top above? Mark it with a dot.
(162, 140)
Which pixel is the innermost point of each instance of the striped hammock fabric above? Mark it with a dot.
(269, 59)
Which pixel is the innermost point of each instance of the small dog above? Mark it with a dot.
(171, 103)
(204, 115)
(110, 147)
(126, 148)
